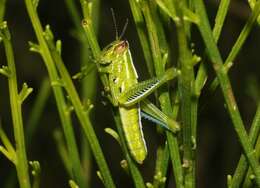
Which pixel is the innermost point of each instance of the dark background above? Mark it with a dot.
(218, 148)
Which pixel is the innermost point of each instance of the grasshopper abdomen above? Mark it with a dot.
(132, 127)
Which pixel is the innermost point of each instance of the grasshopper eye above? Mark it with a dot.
(121, 47)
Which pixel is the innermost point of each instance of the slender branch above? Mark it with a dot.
(249, 179)
(240, 41)
(220, 18)
(242, 164)
(162, 162)
(219, 22)
(90, 34)
(163, 93)
(221, 72)
(16, 111)
(89, 83)
(58, 93)
(186, 91)
(161, 165)
(201, 76)
(142, 34)
(163, 157)
(82, 113)
(7, 149)
(2, 10)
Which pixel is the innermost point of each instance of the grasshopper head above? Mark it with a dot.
(113, 51)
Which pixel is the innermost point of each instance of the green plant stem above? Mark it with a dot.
(58, 93)
(153, 38)
(82, 115)
(87, 159)
(242, 165)
(2, 10)
(159, 26)
(219, 22)
(89, 83)
(201, 76)
(16, 111)
(186, 80)
(74, 159)
(90, 34)
(220, 18)
(161, 165)
(240, 41)
(221, 72)
(163, 157)
(249, 179)
(87, 24)
(140, 26)
(7, 149)
(164, 97)
(37, 109)
(33, 120)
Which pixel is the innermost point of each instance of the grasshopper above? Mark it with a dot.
(126, 93)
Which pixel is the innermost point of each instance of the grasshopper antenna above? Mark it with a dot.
(124, 29)
(114, 21)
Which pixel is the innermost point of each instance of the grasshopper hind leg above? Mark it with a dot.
(155, 115)
(141, 90)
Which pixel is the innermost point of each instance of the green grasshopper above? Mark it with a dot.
(126, 93)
